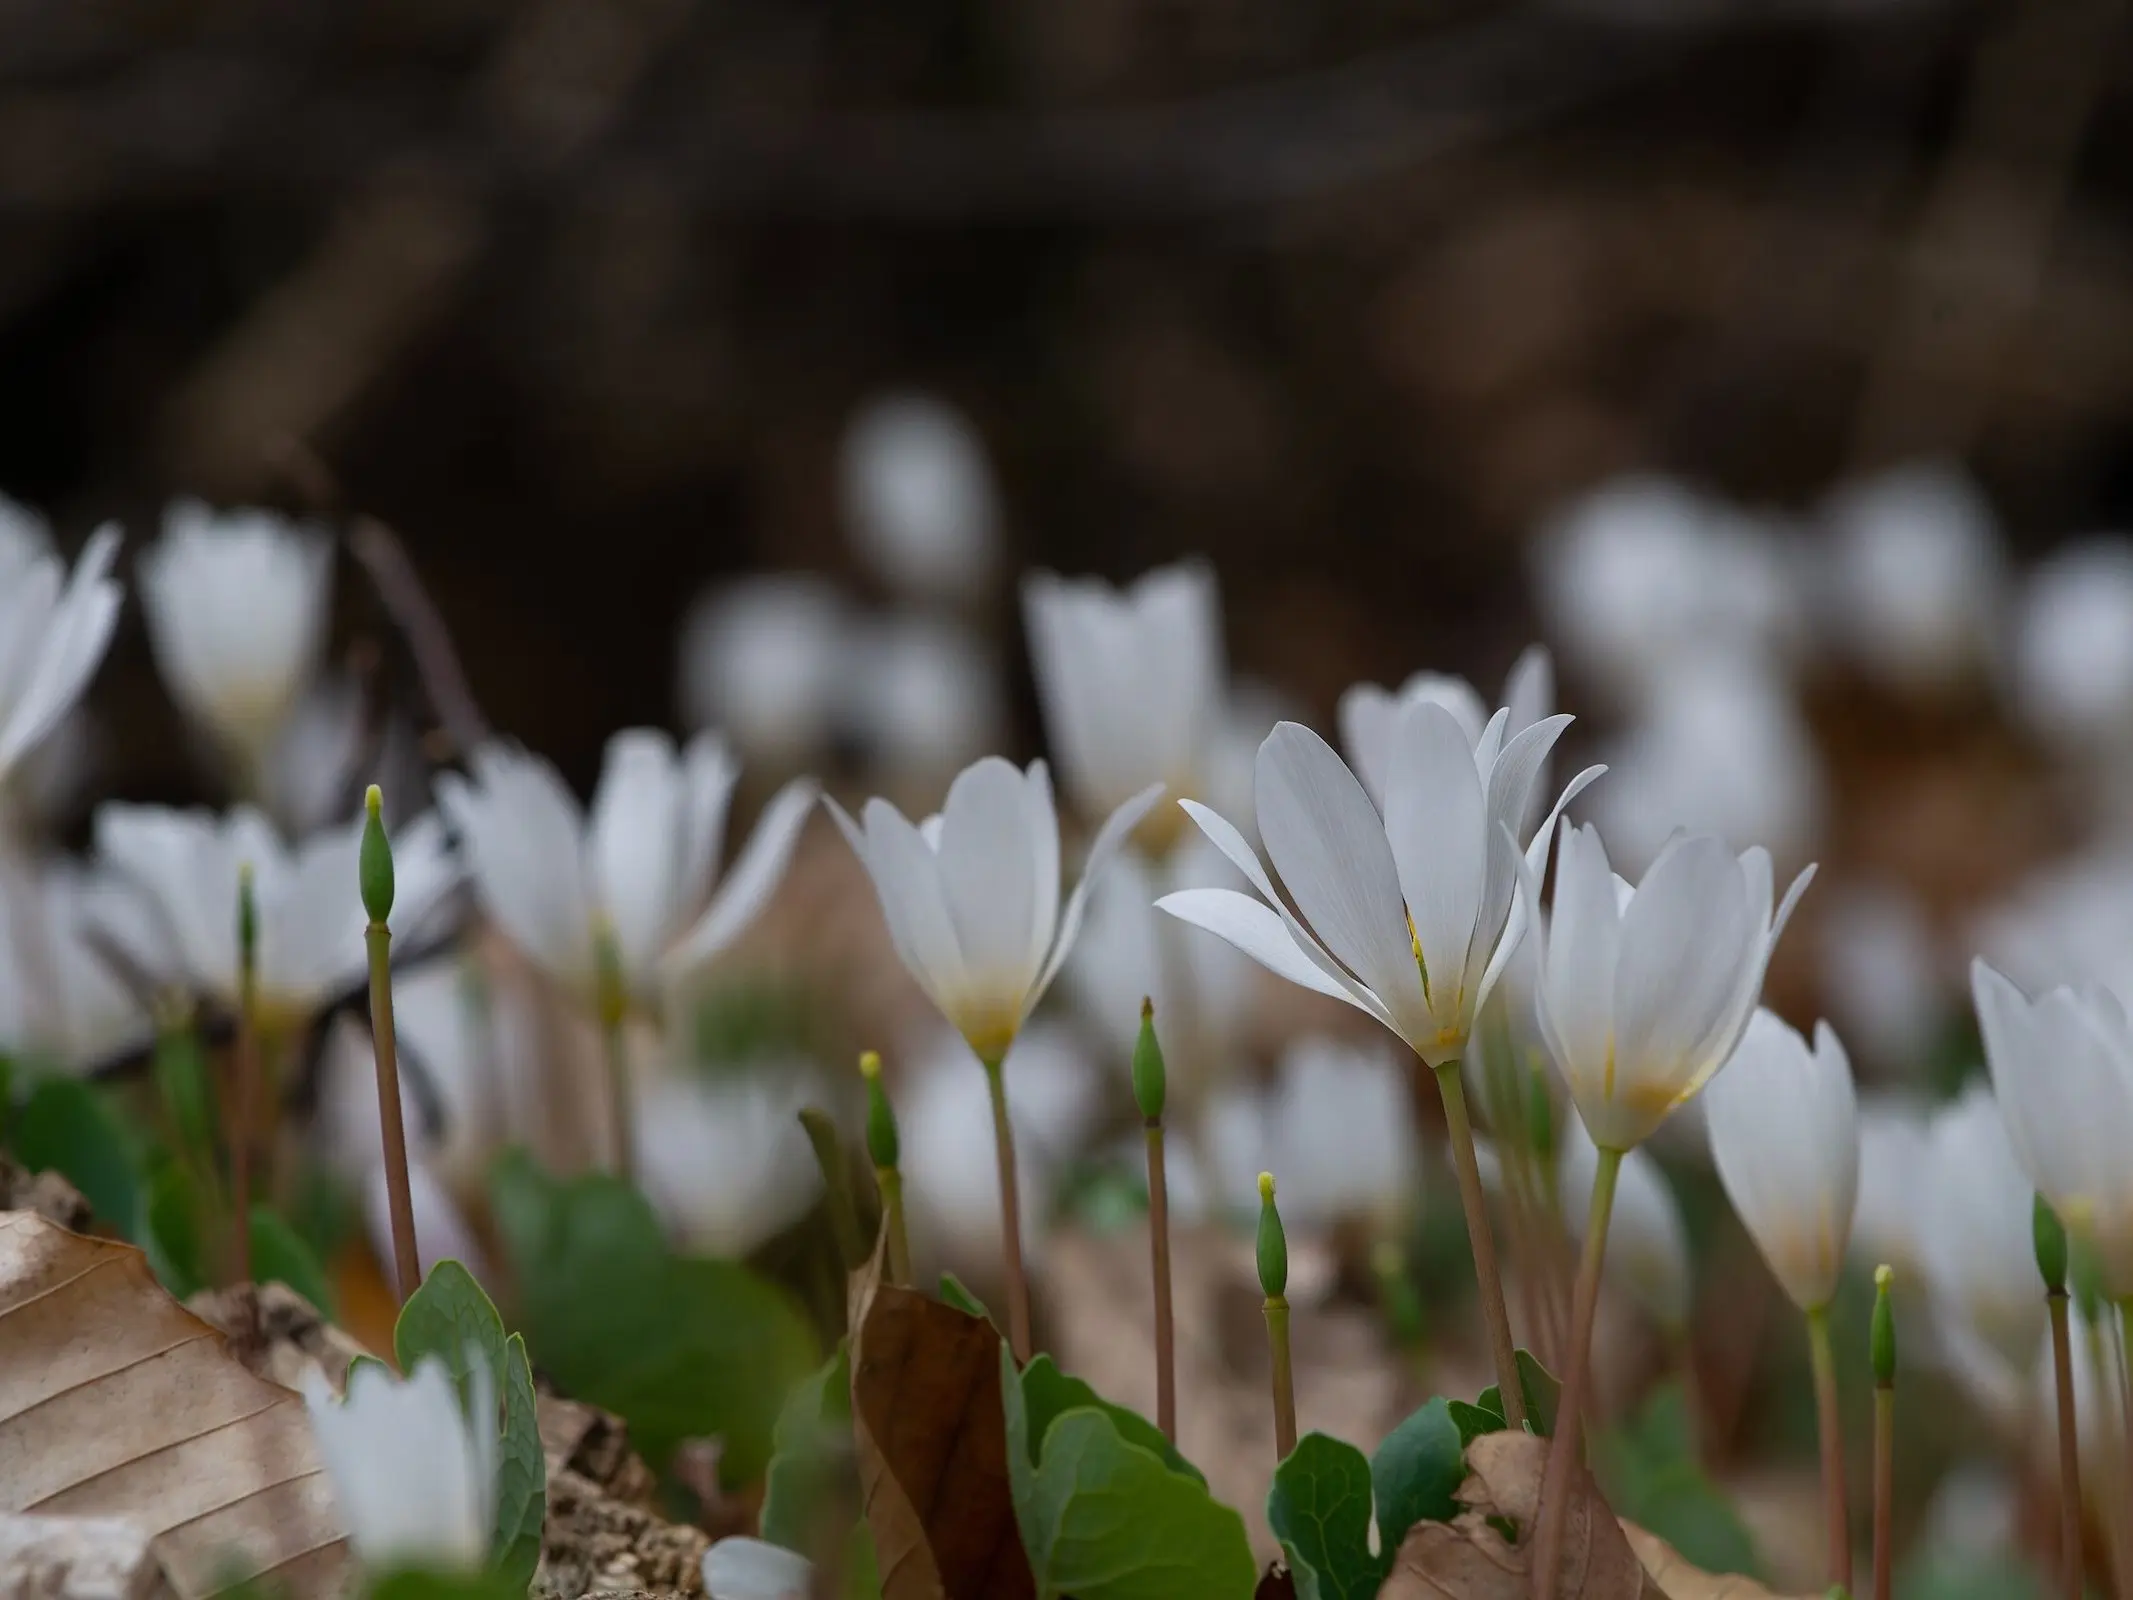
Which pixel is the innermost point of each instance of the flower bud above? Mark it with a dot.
(2050, 1236)
(1883, 1337)
(374, 863)
(1273, 1243)
(884, 1148)
(1150, 1088)
(247, 922)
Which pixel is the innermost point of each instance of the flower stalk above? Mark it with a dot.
(2050, 1238)
(1882, 1342)
(1273, 1255)
(1569, 1413)
(241, 1112)
(1150, 1091)
(1495, 1315)
(1003, 1139)
(611, 1000)
(374, 875)
(885, 1150)
(1829, 1425)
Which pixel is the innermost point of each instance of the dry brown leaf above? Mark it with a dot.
(116, 1401)
(931, 1433)
(1468, 1559)
(1680, 1581)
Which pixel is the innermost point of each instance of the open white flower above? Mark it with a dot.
(1647, 1240)
(1407, 916)
(972, 897)
(185, 866)
(1784, 1124)
(60, 1003)
(1131, 680)
(642, 866)
(723, 1157)
(414, 1475)
(761, 659)
(753, 1569)
(2073, 647)
(1644, 992)
(919, 695)
(918, 498)
(53, 632)
(1369, 715)
(1977, 1224)
(2062, 1068)
(237, 607)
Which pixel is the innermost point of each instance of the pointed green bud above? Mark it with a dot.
(1883, 1337)
(884, 1148)
(611, 992)
(1273, 1243)
(2050, 1235)
(247, 921)
(1150, 1087)
(374, 863)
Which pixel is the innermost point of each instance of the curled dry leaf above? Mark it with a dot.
(931, 1434)
(1680, 1581)
(115, 1401)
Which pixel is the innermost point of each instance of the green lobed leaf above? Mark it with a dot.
(1320, 1509)
(521, 1473)
(679, 1347)
(1473, 1420)
(188, 1094)
(862, 1568)
(1650, 1473)
(953, 1293)
(420, 1585)
(811, 1455)
(279, 1255)
(1418, 1469)
(1103, 1519)
(67, 1126)
(170, 1231)
(449, 1316)
(1542, 1393)
(1047, 1392)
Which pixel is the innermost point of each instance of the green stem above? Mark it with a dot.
(891, 1183)
(1277, 1334)
(1829, 1425)
(240, 1128)
(621, 1112)
(1494, 1315)
(1166, 1370)
(2070, 1563)
(2125, 1465)
(1569, 1412)
(407, 1263)
(1003, 1138)
(1884, 1488)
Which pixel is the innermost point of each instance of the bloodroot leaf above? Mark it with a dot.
(1319, 1508)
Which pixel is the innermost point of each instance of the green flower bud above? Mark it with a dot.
(611, 992)
(884, 1148)
(1883, 1337)
(1150, 1088)
(2050, 1236)
(374, 863)
(1273, 1243)
(247, 921)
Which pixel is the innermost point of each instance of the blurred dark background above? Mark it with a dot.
(580, 295)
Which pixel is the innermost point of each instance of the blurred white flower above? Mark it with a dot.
(414, 1475)
(1784, 1126)
(1369, 715)
(1975, 1219)
(53, 631)
(237, 606)
(643, 865)
(2073, 644)
(1895, 1171)
(739, 1568)
(1643, 571)
(2062, 1068)
(2070, 921)
(1335, 1126)
(185, 865)
(316, 766)
(1647, 1241)
(25, 537)
(1408, 915)
(763, 659)
(442, 1232)
(944, 1113)
(723, 1158)
(1881, 972)
(972, 896)
(1131, 681)
(54, 775)
(1973, 1513)
(921, 698)
(919, 499)
(1719, 746)
(1914, 575)
(60, 1003)
(1646, 991)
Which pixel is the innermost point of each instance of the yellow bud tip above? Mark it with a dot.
(1147, 1008)
(244, 875)
(1266, 1185)
(1883, 1275)
(870, 1064)
(374, 801)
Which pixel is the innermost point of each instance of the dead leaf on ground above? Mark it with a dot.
(931, 1433)
(1680, 1581)
(116, 1401)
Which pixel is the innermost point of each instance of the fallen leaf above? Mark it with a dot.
(1680, 1581)
(115, 1401)
(931, 1434)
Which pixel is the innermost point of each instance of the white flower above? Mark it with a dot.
(53, 631)
(59, 1001)
(1405, 916)
(723, 1157)
(972, 898)
(2073, 645)
(1718, 746)
(918, 498)
(642, 866)
(1784, 1123)
(761, 659)
(1977, 1226)
(1647, 1241)
(751, 1569)
(1645, 992)
(1882, 973)
(1914, 574)
(1369, 715)
(2062, 1067)
(1130, 680)
(414, 1475)
(237, 608)
(185, 866)
(920, 696)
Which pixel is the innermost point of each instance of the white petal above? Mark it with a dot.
(1257, 930)
(987, 857)
(751, 1569)
(1437, 825)
(747, 889)
(1686, 939)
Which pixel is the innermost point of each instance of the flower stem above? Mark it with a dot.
(1502, 1352)
(1830, 1426)
(1277, 1335)
(1166, 1370)
(611, 996)
(2070, 1574)
(891, 1182)
(2125, 1465)
(1569, 1411)
(1003, 1139)
(241, 1112)
(407, 1263)
(1884, 1488)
